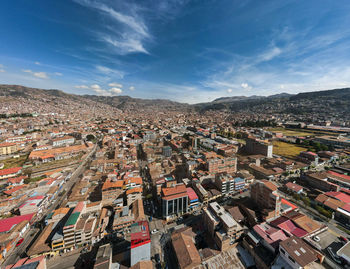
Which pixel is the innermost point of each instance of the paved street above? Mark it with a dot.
(17, 253)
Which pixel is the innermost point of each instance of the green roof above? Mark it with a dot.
(49, 216)
(72, 219)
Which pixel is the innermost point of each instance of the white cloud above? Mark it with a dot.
(37, 63)
(58, 74)
(131, 88)
(95, 87)
(270, 54)
(131, 30)
(246, 86)
(229, 90)
(126, 46)
(37, 74)
(108, 71)
(81, 87)
(113, 84)
(115, 90)
(2, 70)
(40, 75)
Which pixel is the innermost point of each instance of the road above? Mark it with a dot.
(19, 251)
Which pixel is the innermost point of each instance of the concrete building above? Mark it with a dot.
(222, 165)
(262, 147)
(63, 141)
(167, 151)
(221, 225)
(140, 242)
(297, 253)
(308, 157)
(264, 194)
(8, 148)
(174, 200)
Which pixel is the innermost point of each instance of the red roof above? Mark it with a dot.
(339, 196)
(339, 175)
(7, 224)
(16, 179)
(346, 207)
(291, 228)
(14, 189)
(284, 201)
(191, 194)
(10, 171)
(294, 187)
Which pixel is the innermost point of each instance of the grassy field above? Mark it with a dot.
(286, 149)
(14, 162)
(299, 132)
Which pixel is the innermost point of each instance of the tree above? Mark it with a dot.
(90, 137)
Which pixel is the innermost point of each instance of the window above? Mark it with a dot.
(282, 250)
(292, 260)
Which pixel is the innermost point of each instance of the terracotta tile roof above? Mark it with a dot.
(299, 251)
(10, 171)
(270, 185)
(186, 251)
(134, 190)
(307, 223)
(113, 184)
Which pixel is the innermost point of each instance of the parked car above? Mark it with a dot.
(334, 256)
(316, 238)
(20, 241)
(344, 239)
(157, 258)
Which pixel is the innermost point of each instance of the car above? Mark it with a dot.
(20, 241)
(334, 256)
(316, 238)
(344, 239)
(157, 258)
(154, 231)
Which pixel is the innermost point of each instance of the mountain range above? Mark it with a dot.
(307, 102)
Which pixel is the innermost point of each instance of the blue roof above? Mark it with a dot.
(238, 179)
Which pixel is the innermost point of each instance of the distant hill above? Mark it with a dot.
(331, 101)
(55, 99)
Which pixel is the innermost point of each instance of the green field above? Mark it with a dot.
(14, 162)
(286, 149)
(299, 132)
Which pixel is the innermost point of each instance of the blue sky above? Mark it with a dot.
(183, 50)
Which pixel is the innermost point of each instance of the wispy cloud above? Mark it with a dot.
(37, 74)
(58, 74)
(100, 91)
(108, 71)
(114, 84)
(2, 70)
(131, 88)
(132, 30)
(81, 87)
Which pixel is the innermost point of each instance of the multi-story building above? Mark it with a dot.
(264, 193)
(222, 165)
(63, 141)
(296, 253)
(262, 147)
(225, 183)
(320, 181)
(174, 200)
(167, 151)
(71, 224)
(140, 242)
(221, 225)
(8, 148)
(308, 157)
